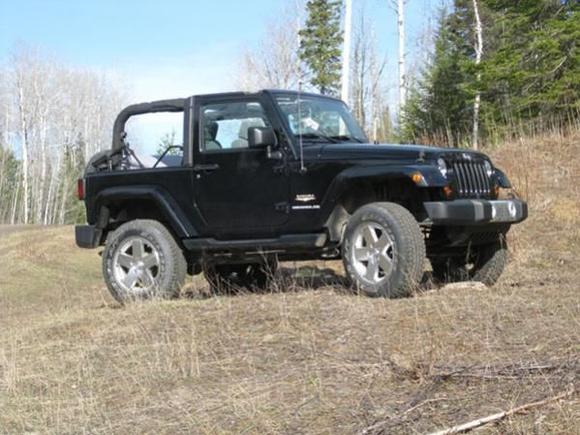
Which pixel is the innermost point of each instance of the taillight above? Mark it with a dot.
(81, 189)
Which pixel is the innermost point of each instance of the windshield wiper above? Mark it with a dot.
(320, 136)
(345, 138)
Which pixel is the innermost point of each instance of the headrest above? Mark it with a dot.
(211, 130)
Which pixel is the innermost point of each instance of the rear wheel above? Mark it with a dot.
(141, 261)
(384, 250)
(484, 264)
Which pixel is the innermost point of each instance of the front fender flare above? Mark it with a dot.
(379, 173)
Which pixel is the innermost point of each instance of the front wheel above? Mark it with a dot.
(384, 250)
(141, 261)
(484, 264)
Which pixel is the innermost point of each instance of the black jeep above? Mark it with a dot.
(279, 175)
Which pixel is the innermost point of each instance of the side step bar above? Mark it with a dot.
(284, 243)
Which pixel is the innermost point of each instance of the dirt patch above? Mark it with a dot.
(11, 229)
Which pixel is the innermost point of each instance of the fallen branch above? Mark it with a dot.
(423, 403)
(466, 427)
(394, 421)
(502, 374)
(509, 371)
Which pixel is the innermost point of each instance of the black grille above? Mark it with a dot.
(471, 178)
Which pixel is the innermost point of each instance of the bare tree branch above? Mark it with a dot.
(470, 425)
(274, 63)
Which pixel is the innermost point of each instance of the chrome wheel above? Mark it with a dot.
(136, 265)
(373, 252)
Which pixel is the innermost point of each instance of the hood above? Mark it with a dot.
(351, 151)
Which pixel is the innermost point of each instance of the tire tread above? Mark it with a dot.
(411, 249)
(176, 257)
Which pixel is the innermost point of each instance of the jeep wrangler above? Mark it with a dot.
(257, 178)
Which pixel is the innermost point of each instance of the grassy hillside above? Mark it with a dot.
(309, 359)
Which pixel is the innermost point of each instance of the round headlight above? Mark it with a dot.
(488, 168)
(442, 166)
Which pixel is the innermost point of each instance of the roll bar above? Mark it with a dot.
(175, 105)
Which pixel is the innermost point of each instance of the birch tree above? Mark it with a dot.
(345, 88)
(478, 54)
(399, 6)
(23, 120)
(52, 119)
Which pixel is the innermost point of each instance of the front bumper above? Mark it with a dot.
(476, 212)
(88, 236)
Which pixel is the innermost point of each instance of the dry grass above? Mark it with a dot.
(306, 360)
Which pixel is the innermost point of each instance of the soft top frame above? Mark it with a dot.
(175, 105)
(186, 105)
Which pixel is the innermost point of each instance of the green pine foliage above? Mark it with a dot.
(9, 182)
(320, 45)
(439, 105)
(534, 69)
(73, 165)
(530, 72)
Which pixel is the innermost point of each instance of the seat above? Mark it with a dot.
(242, 141)
(210, 134)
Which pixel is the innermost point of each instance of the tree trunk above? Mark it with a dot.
(345, 91)
(13, 216)
(50, 196)
(40, 200)
(402, 73)
(24, 137)
(478, 54)
(3, 171)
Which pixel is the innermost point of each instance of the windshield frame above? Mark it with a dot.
(349, 120)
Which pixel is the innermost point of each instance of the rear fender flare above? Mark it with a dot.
(166, 204)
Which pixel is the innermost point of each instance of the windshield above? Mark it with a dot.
(320, 119)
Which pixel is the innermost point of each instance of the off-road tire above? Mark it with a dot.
(172, 267)
(234, 278)
(408, 252)
(486, 264)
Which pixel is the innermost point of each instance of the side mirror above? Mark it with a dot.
(261, 137)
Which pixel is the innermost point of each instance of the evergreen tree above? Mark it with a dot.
(534, 73)
(72, 165)
(320, 44)
(439, 107)
(530, 71)
(9, 180)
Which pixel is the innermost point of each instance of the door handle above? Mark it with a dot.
(209, 167)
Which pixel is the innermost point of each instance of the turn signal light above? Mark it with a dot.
(81, 189)
(448, 192)
(417, 178)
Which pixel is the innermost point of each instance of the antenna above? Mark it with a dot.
(300, 141)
